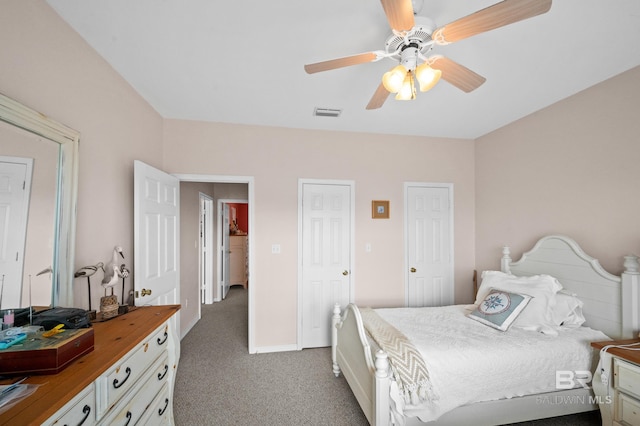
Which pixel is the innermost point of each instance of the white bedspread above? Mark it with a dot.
(481, 363)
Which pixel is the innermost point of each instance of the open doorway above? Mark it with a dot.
(217, 188)
(233, 243)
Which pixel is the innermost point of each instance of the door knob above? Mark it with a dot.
(146, 292)
(345, 272)
(413, 269)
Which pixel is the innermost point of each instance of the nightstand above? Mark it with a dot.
(616, 382)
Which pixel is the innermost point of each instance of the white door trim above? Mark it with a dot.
(219, 256)
(206, 235)
(249, 180)
(301, 183)
(448, 186)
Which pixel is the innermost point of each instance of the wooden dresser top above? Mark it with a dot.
(629, 355)
(113, 339)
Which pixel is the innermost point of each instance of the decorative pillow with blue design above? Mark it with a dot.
(499, 309)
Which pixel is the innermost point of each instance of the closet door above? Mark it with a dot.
(429, 252)
(326, 257)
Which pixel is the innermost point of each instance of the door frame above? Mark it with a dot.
(352, 222)
(206, 235)
(449, 187)
(221, 229)
(250, 181)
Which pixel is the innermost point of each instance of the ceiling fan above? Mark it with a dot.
(414, 36)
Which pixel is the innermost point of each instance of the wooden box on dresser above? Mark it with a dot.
(127, 379)
(616, 382)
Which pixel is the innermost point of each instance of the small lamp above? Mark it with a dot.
(394, 79)
(427, 77)
(408, 91)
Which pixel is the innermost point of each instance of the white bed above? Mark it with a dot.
(610, 306)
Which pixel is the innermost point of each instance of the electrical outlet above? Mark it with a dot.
(275, 248)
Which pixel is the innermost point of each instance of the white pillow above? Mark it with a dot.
(568, 310)
(500, 309)
(538, 314)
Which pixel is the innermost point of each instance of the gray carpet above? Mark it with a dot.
(219, 383)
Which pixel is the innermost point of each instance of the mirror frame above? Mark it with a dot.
(63, 257)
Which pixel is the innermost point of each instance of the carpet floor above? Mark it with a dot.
(220, 383)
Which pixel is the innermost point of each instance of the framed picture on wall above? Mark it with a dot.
(380, 209)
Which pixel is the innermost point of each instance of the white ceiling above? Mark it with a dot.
(242, 61)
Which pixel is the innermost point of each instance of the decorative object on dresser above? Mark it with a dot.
(109, 306)
(616, 381)
(570, 289)
(46, 355)
(112, 271)
(129, 377)
(89, 271)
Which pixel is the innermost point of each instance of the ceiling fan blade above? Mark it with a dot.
(496, 16)
(341, 62)
(378, 98)
(458, 75)
(399, 14)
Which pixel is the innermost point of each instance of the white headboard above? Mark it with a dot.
(610, 302)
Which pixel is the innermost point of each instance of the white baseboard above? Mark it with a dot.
(269, 349)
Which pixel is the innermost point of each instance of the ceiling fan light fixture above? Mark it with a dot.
(408, 90)
(393, 80)
(427, 77)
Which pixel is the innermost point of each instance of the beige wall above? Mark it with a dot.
(570, 169)
(45, 65)
(378, 164)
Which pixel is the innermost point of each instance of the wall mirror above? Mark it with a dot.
(49, 218)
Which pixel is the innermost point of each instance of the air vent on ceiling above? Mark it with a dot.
(327, 112)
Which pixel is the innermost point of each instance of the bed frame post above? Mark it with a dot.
(630, 296)
(505, 262)
(335, 320)
(382, 384)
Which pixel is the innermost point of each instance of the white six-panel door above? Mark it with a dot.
(429, 237)
(156, 236)
(15, 186)
(326, 226)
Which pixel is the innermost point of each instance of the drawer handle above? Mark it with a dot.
(164, 373)
(166, 336)
(86, 410)
(162, 410)
(129, 415)
(117, 383)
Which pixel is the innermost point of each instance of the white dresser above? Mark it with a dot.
(128, 379)
(616, 383)
(238, 260)
(626, 399)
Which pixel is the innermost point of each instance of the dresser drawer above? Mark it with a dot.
(133, 406)
(159, 410)
(124, 374)
(627, 410)
(627, 377)
(81, 410)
